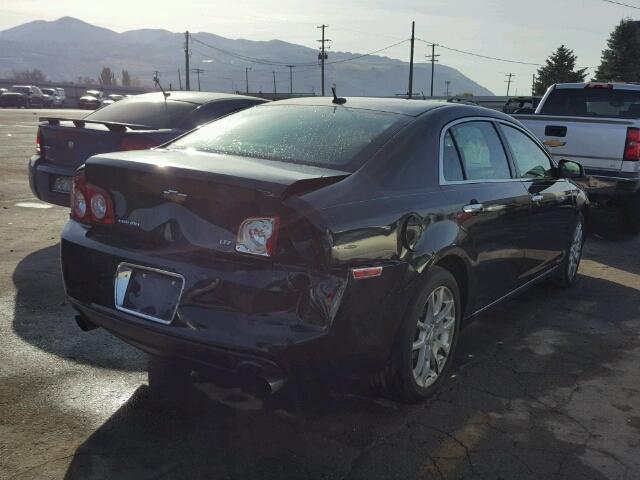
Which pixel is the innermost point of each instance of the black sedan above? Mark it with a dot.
(133, 123)
(318, 237)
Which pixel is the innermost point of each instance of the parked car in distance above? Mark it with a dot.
(3, 90)
(25, 96)
(521, 105)
(133, 123)
(63, 96)
(51, 97)
(598, 124)
(303, 237)
(91, 100)
(113, 98)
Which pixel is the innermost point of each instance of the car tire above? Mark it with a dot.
(168, 378)
(403, 379)
(573, 254)
(630, 214)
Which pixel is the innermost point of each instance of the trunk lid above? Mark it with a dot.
(185, 200)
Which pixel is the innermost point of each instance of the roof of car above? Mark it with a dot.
(197, 97)
(401, 106)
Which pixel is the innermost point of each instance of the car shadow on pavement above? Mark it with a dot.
(43, 318)
(526, 400)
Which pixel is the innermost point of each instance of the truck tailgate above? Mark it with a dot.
(598, 144)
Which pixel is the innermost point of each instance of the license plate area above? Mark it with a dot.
(61, 184)
(147, 292)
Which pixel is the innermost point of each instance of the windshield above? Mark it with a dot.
(313, 135)
(152, 113)
(20, 89)
(593, 102)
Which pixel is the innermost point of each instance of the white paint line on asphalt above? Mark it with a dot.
(33, 205)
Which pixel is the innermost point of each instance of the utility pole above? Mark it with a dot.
(434, 58)
(508, 82)
(198, 71)
(275, 92)
(246, 77)
(186, 60)
(413, 35)
(179, 79)
(533, 85)
(448, 84)
(322, 56)
(290, 79)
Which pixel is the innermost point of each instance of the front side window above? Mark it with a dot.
(480, 151)
(529, 158)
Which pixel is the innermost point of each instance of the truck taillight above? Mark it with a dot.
(90, 204)
(632, 145)
(258, 236)
(39, 143)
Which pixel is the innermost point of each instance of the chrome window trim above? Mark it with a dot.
(444, 131)
(150, 269)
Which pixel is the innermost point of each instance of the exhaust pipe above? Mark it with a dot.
(85, 324)
(256, 382)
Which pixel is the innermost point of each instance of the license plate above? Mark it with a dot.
(61, 184)
(148, 292)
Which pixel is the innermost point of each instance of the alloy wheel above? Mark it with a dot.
(434, 337)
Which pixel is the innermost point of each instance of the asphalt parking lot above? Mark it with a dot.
(546, 386)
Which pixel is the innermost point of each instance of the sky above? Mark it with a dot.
(521, 30)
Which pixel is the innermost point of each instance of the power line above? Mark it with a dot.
(622, 4)
(487, 57)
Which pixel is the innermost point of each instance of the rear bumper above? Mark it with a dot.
(41, 176)
(287, 320)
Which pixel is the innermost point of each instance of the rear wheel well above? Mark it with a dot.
(455, 265)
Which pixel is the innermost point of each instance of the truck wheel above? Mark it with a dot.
(169, 379)
(630, 214)
(426, 341)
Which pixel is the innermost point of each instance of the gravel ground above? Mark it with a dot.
(545, 386)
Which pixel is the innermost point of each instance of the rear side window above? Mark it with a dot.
(152, 113)
(593, 102)
(338, 137)
(529, 158)
(481, 154)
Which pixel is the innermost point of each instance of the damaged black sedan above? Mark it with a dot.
(318, 237)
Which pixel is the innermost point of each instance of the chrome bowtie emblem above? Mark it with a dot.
(70, 144)
(174, 196)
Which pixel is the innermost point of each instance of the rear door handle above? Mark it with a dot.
(537, 198)
(473, 208)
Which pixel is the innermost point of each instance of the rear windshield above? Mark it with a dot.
(593, 102)
(151, 113)
(336, 137)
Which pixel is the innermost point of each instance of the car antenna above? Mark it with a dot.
(156, 80)
(336, 99)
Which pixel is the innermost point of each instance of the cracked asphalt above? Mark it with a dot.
(544, 387)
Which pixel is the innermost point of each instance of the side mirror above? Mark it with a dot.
(570, 169)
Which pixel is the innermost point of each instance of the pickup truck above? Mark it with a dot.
(598, 125)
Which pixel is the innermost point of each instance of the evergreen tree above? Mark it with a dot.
(560, 67)
(126, 78)
(621, 59)
(107, 78)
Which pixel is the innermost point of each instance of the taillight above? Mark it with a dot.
(136, 143)
(632, 145)
(258, 236)
(39, 143)
(90, 204)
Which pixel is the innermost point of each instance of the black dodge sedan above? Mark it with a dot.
(317, 236)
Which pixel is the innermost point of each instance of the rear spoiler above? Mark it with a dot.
(113, 126)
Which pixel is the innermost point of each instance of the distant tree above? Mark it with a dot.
(560, 67)
(30, 76)
(621, 59)
(126, 78)
(85, 81)
(107, 78)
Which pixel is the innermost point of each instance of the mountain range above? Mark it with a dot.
(68, 48)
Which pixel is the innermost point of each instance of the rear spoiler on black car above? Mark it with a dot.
(113, 126)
